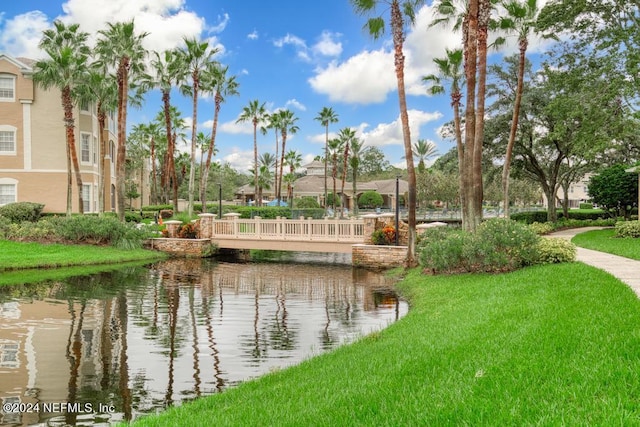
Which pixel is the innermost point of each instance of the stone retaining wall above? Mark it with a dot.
(183, 247)
(378, 257)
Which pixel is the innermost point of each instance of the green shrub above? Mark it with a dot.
(132, 217)
(4, 226)
(22, 211)
(370, 199)
(586, 205)
(156, 207)
(497, 245)
(94, 230)
(306, 203)
(628, 229)
(530, 217)
(166, 213)
(552, 250)
(30, 231)
(541, 228)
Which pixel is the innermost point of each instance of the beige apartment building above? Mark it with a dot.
(33, 159)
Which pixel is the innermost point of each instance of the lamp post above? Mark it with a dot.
(220, 200)
(397, 207)
(636, 169)
(242, 192)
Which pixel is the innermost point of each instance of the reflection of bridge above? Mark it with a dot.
(309, 235)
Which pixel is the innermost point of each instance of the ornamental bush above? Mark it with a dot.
(554, 250)
(541, 228)
(22, 211)
(628, 229)
(370, 199)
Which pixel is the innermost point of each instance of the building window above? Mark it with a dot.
(95, 150)
(7, 140)
(85, 107)
(85, 148)
(86, 197)
(7, 88)
(7, 193)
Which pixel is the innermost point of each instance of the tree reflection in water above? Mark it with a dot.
(130, 342)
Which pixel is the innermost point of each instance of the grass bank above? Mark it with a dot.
(19, 255)
(551, 345)
(605, 241)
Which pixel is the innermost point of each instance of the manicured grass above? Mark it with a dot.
(18, 255)
(548, 345)
(604, 241)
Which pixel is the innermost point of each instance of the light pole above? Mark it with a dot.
(220, 200)
(397, 207)
(242, 192)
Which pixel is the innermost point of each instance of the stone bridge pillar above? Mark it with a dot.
(172, 228)
(206, 225)
(369, 227)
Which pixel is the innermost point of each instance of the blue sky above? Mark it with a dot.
(289, 54)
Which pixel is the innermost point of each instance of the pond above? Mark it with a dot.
(114, 346)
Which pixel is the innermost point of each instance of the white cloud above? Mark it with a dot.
(391, 133)
(295, 41)
(21, 34)
(221, 25)
(253, 35)
(327, 46)
(363, 79)
(239, 160)
(296, 104)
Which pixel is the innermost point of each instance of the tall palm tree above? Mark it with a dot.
(256, 113)
(197, 57)
(64, 69)
(287, 127)
(222, 86)
(177, 125)
(294, 160)
(425, 150)
(347, 136)
(520, 19)
(266, 161)
(334, 150)
(354, 164)
(149, 134)
(100, 87)
(399, 10)
(326, 116)
(120, 47)
(450, 69)
(166, 72)
(275, 123)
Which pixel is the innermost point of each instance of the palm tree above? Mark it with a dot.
(326, 116)
(347, 136)
(222, 86)
(64, 70)
(100, 87)
(275, 123)
(334, 150)
(521, 19)
(354, 163)
(167, 71)
(118, 46)
(148, 134)
(287, 126)
(294, 160)
(177, 125)
(399, 10)
(256, 113)
(450, 69)
(266, 161)
(197, 57)
(425, 150)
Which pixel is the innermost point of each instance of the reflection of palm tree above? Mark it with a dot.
(125, 391)
(105, 345)
(220, 382)
(194, 330)
(173, 300)
(75, 358)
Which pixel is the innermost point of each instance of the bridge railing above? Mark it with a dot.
(326, 230)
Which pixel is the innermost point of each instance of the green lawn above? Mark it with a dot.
(18, 255)
(604, 241)
(547, 345)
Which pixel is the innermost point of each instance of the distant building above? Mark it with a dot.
(33, 158)
(312, 185)
(578, 193)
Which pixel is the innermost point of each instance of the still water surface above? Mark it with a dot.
(114, 346)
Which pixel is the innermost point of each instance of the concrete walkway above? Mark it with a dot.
(625, 269)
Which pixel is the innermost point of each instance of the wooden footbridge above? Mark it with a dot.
(308, 235)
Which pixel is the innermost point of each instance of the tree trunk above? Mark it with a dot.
(284, 143)
(255, 162)
(205, 173)
(326, 155)
(123, 91)
(194, 128)
(102, 119)
(69, 123)
(514, 127)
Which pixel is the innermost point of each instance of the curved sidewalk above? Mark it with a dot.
(625, 269)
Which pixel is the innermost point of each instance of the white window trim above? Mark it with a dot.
(15, 140)
(89, 144)
(10, 181)
(13, 78)
(86, 191)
